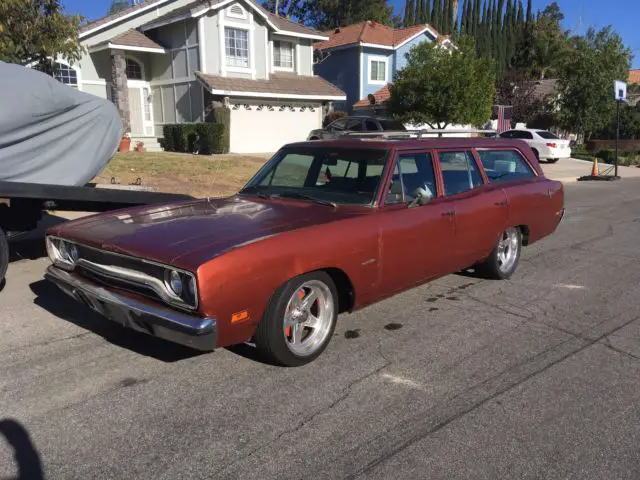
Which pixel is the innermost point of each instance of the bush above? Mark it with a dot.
(333, 116)
(222, 116)
(167, 141)
(181, 137)
(606, 155)
(211, 138)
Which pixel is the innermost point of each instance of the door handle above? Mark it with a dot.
(449, 213)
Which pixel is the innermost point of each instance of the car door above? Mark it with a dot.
(533, 201)
(416, 241)
(336, 129)
(480, 210)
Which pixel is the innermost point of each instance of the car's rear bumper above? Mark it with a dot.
(560, 152)
(156, 320)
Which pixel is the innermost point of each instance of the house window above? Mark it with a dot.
(237, 47)
(134, 70)
(147, 104)
(63, 73)
(378, 70)
(283, 53)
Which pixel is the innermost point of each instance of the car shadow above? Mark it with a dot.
(25, 453)
(250, 352)
(30, 245)
(51, 299)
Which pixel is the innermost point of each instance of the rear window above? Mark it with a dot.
(391, 125)
(545, 134)
(504, 165)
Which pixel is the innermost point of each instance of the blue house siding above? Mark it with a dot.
(400, 60)
(342, 68)
(371, 53)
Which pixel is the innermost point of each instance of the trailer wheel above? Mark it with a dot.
(4, 256)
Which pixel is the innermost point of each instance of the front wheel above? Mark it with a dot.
(299, 321)
(552, 160)
(4, 256)
(503, 261)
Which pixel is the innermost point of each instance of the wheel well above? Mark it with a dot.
(346, 292)
(525, 234)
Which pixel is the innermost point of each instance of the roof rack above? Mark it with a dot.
(417, 134)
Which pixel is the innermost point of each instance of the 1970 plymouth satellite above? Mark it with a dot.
(323, 228)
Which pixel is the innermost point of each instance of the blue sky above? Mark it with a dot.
(624, 15)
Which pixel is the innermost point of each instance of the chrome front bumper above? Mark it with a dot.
(155, 320)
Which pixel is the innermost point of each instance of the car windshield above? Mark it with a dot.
(545, 134)
(322, 174)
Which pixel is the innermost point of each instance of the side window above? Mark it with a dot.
(507, 134)
(526, 135)
(371, 126)
(354, 125)
(459, 172)
(504, 165)
(413, 170)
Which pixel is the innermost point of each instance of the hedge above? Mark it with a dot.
(202, 138)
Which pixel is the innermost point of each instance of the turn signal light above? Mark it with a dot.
(552, 145)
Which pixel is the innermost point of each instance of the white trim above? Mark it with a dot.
(297, 65)
(137, 83)
(140, 64)
(250, 70)
(123, 17)
(270, 66)
(267, 58)
(378, 58)
(163, 23)
(230, 93)
(361, 75)
(128, 48)
(294, 67)
(94, 82)
(252, 48)
(375, 45)
(421, 32)
(243, 26)
(229, 13)
(222, 49)
(201, 46)
(299, 35)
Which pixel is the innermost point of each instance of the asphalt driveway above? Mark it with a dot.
(536, 377)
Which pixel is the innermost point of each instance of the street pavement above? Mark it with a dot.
(568, 170)
(463, 378)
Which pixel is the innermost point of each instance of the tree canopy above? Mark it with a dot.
(441, 87)
(586, 80)
(118, 6)
(38, 31)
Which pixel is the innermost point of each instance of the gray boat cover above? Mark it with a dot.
(51, 133)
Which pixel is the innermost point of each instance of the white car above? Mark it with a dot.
(544, 144)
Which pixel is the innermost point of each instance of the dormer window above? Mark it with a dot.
(283, 54)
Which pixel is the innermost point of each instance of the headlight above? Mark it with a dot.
(62, 253)
(182, 285)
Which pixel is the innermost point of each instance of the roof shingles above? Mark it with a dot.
(372, 33)
(634, 76)
(133, 38)
(280, 84)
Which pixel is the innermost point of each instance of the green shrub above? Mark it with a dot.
(606, 155)
(180, 137)
(222, 116)
(333, 116)
(167, 141)
(211, 138)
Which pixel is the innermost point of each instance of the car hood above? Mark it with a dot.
(187, 234)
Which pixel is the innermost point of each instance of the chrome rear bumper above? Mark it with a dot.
(155, 320)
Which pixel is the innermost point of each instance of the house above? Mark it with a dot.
(634, 76)
(170, 61)
(362, 59)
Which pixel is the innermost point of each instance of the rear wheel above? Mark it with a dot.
(300, 320)
(552, 160)
(4, 256)
(503, 261)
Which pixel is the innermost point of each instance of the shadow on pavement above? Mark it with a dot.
(51, 299)
(30, 245)
(250, 353)
(27, 457)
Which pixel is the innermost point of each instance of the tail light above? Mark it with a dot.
(552, 145)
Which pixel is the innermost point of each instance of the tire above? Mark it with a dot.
(535, 152)
(552, 160)
(4, 256)
(500, 265)
(278, 339)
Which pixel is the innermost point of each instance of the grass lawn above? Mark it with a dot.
(196, 175)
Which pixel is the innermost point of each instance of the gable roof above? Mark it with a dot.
(198, 7)
(634, 76)
(132, 40)
(381, 97)
(374, 33)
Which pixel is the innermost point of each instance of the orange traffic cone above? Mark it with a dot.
(594, 170)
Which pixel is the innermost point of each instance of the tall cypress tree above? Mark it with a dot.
(529, 13)
(438, 15)
(427, 11)
(520, 25)
(434, 14)
(418, 14)
(462, 27)
(446, 17)
(485, 49)
(508, 28)
(500, 43)
(476, 18)
(409, 13)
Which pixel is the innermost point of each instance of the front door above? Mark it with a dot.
(140, 110)
(417, 242)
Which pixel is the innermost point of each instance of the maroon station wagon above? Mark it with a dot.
(323, 228)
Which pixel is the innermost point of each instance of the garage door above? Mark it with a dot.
(259, 128)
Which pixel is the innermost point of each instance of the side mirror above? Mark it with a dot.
(420, 197)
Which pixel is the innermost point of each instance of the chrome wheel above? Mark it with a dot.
(508, 248)
(308, 318)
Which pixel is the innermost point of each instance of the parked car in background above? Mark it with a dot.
(345, 125)
(323, 228)
(545, 145)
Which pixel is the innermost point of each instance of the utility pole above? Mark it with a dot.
(617, 132)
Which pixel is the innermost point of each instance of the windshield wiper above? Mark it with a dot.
(302, 196)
